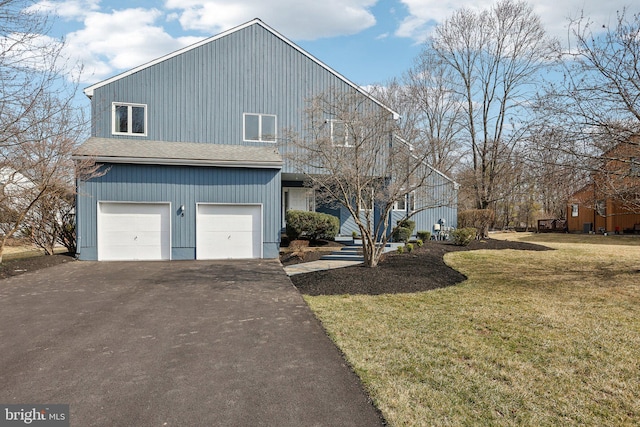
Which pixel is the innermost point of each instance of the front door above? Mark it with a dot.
(299, 199)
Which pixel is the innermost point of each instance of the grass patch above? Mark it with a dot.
(533, 338)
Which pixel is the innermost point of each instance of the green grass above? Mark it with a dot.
(532, 338)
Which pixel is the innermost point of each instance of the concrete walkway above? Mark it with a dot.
(349, 255)
(320, 265)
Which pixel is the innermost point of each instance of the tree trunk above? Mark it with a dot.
(2, 243)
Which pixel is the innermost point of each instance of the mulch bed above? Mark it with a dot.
(15, 267)
(422, 270)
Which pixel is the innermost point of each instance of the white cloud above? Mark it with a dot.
(424, 14)
(122, 39)
(296, 19)
(69, 9)
(111, 40)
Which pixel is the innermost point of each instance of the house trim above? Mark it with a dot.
(180, 162)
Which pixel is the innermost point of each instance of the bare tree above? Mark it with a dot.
(39, 126)
(553, 167)
(439, 111)
(31, 66)
(494, 58)
(39, 172)
(350, 156)
(430, 111)
(596, 105)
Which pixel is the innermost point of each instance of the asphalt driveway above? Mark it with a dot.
(183, 343)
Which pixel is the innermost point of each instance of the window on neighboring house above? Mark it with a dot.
(129, 119)
(601, 208)
(259, 127)
(574, 210)
(408, 202)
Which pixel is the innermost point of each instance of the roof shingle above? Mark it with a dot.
(113, 150)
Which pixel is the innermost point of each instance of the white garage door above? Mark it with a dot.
(134, 231)
(228, 231)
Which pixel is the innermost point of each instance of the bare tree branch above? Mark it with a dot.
(349, 155)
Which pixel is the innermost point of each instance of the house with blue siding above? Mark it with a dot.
(189, 146)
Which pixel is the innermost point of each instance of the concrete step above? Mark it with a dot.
(342, 257)
(349, 251)
(353, 252)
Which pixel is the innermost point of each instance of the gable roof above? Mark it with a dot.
(424, 162)
(110, 150)
(89, 90)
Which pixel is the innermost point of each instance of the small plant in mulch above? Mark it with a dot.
(419, 243)
(425, 236)
(409, 247)
(400, 249)
(463, 236)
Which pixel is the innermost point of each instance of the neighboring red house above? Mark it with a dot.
(611, 203)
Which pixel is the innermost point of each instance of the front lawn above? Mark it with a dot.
(531, 338)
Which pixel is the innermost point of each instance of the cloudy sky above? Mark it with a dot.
(368, 41)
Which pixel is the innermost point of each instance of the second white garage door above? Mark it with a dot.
(228, 231)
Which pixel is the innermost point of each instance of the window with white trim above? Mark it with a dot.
(408, 200)
(367, 199)
(574, 210)
(129, 119)
(259, 127)
(339, 134)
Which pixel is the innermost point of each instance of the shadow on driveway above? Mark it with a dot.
(180, 343)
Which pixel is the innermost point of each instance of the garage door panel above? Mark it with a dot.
(230, 223)
(229, 231)
(134, 231)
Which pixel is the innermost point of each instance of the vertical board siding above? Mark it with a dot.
(181, 185)
(200, 95)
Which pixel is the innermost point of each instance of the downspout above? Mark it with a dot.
(77, 217)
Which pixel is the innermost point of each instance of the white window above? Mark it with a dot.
(408, 202)
(260, 127)
(367, 200)
(339, 134)
(129, 119)
(574, 210)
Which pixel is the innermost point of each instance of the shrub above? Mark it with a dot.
(407, 223)
(403, 230)
(425, 236)
(401, 234)
(313, 225)
(400, 249)
(480, 219)
(409, 247)
(463, 236)
(419, 243)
